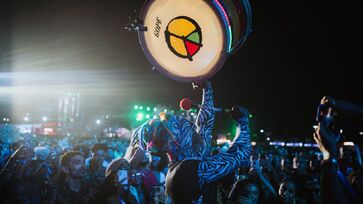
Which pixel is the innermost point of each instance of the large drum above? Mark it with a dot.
(189, 40)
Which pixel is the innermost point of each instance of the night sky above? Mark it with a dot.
(298, 52)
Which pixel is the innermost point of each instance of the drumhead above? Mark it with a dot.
(185, 39)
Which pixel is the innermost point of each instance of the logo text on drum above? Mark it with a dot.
(157, 27)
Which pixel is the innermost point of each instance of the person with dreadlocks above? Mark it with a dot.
(188, 147)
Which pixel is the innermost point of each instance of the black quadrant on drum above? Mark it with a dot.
(183, 37)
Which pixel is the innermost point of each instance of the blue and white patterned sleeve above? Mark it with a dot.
(205, 121)
(217, 166)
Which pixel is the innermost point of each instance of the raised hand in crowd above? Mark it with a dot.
(331, 188)
(265, 181)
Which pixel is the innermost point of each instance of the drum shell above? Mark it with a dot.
(239, 19)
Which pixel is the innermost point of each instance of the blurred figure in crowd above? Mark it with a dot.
(84, 149)
(72, 188)
(116, 189)
(153, 176)
(96, 170)
(313, 191)
(136, 181)
(287, 192)
(286, 167)
(244, 192)
(299, 176)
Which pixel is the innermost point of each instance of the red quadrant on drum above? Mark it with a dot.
(192, 48)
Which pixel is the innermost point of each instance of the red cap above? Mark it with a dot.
(185, 104)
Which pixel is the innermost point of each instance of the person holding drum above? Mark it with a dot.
(188, 146)
(188, 41)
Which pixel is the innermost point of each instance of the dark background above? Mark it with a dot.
(298, 52)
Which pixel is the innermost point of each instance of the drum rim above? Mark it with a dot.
(235, 46)
(168, 74)
(248, 27)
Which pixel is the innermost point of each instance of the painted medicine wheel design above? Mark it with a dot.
(184, 37)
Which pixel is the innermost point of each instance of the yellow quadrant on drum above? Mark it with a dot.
(178, 45)
(181, 27)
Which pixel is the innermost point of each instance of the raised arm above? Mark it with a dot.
(242, 140)
(217, 166)
(332, 190)
(256, 169)
(205, 120)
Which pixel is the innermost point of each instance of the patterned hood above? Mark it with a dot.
(168, 134)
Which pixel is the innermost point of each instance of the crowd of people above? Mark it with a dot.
(50, 170)
(41, 169)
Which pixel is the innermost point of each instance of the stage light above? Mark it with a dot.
(147, 116)
(136, 107)
(348, 144)
(289, 144)
(44, 118)
(148, 108)
(26, 118)
(98, 122)
(155, 109)
(139, 117)
(281, 144)
(262, 131)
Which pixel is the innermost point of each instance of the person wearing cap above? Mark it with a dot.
(188, 146)
(84, 149)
